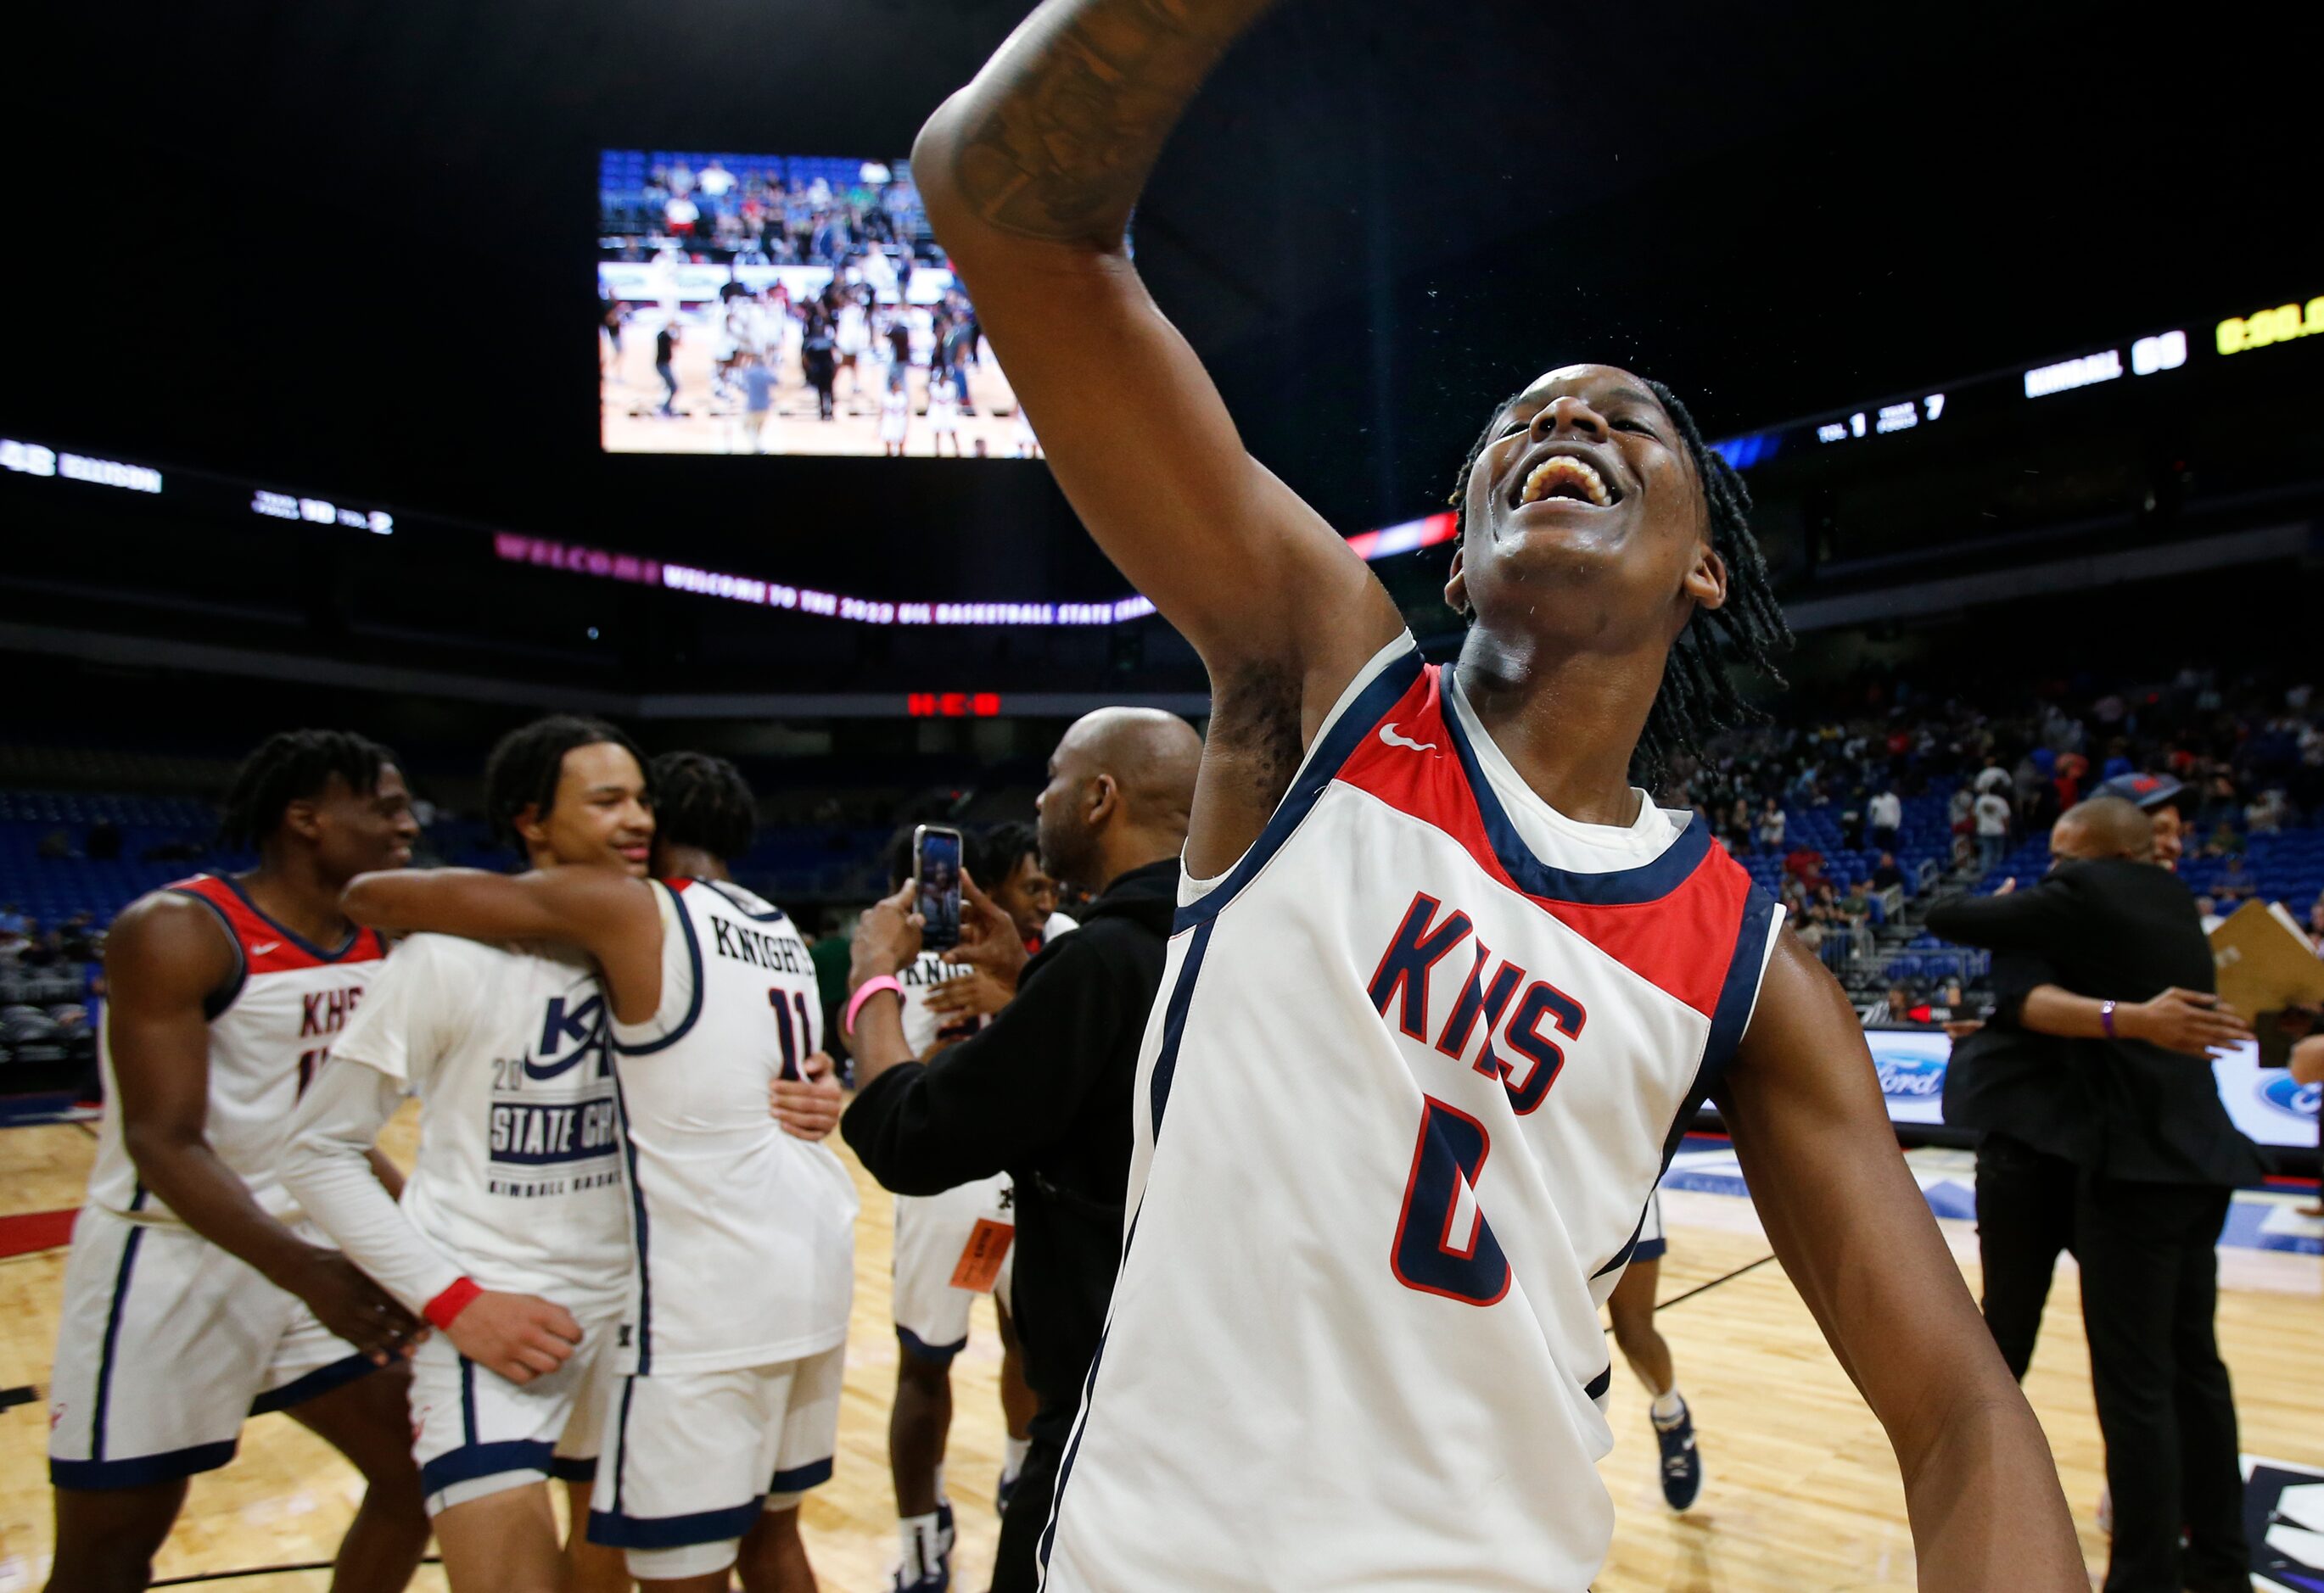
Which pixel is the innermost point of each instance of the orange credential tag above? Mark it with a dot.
(981, 1257)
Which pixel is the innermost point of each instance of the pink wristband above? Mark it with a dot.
(870, 987)
(442, 1310)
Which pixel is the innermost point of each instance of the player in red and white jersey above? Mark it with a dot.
(197, 1294)
(1447, 985)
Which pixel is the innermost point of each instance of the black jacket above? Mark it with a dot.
(2006, 1079)
(1042, 1093)
(2120, 931)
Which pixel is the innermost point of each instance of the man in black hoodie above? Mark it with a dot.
(1043, 1093)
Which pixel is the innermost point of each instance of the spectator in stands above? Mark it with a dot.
(55, 847)
(1771, 826)
(2234, 883)
(1886, 875)
(1957, 805)
(1857, 905)
(41, 948)
(1992, 779)
(78, 939)
(1898, 1007)
(2269, 814)
(103, 843)
(1886, 813)
(2207, 909)
(1991, 814)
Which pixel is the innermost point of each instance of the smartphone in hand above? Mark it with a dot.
(936, 885)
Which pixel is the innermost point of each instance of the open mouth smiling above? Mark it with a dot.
(1565, 476)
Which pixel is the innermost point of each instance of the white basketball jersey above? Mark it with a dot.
(745, 1234)
(270, 1029)
(1415, 1068)
(519, 1178)
(922, 1027)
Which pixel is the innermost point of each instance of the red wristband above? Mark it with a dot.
(447, 1306)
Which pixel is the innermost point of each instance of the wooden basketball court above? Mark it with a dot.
(1802, 1497)
(631, 396)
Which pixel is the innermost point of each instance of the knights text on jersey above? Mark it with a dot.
(922, 1026)
(270, 1028)
(518, 1179)
(746, 1233)
(1416, 1065)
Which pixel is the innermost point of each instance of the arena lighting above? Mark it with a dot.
(2262, 328)
(2165, 351)
(2067, 375)
(321, 511)
(34, 459)
(952, 705)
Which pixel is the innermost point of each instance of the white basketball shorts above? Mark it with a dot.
(474, 1433)
(691, 1458)
(166, 1345)
(943, 1238)
(1651, 1244)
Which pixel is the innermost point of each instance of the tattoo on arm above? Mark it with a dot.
(1062, 128)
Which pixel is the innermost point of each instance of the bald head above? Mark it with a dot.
(2103, 828)
(1151, 755)
(1122, 785)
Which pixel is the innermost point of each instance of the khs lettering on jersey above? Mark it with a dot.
(1481, 1004)
(525, 1133)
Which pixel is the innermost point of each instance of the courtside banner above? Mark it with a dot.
(2262, 1101)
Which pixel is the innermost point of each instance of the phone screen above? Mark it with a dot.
(935, 876)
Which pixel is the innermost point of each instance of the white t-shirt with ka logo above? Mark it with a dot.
(520, 1177)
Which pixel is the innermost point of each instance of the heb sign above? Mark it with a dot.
(952, 705)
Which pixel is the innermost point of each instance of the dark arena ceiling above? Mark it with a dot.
(351, 245)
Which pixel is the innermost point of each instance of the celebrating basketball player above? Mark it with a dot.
(196, 1293)
(513, 1235)
(1447, 986)
(729, 1408)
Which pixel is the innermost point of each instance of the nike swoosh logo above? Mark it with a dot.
(1388, 735)
(261, 950)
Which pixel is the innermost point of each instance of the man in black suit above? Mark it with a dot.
(2089, 1069)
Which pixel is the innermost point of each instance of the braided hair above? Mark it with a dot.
(704, 802)
(525, 765)
(295, 766)
(1698, 698)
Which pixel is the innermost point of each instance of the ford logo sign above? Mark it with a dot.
(2287, 1095)
(1917, 1078)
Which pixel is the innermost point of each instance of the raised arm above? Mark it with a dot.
(608, 915)
(1853, 1229)
(164, 957)
(1029, 175)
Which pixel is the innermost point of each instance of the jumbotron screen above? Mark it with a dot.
(787, 304)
